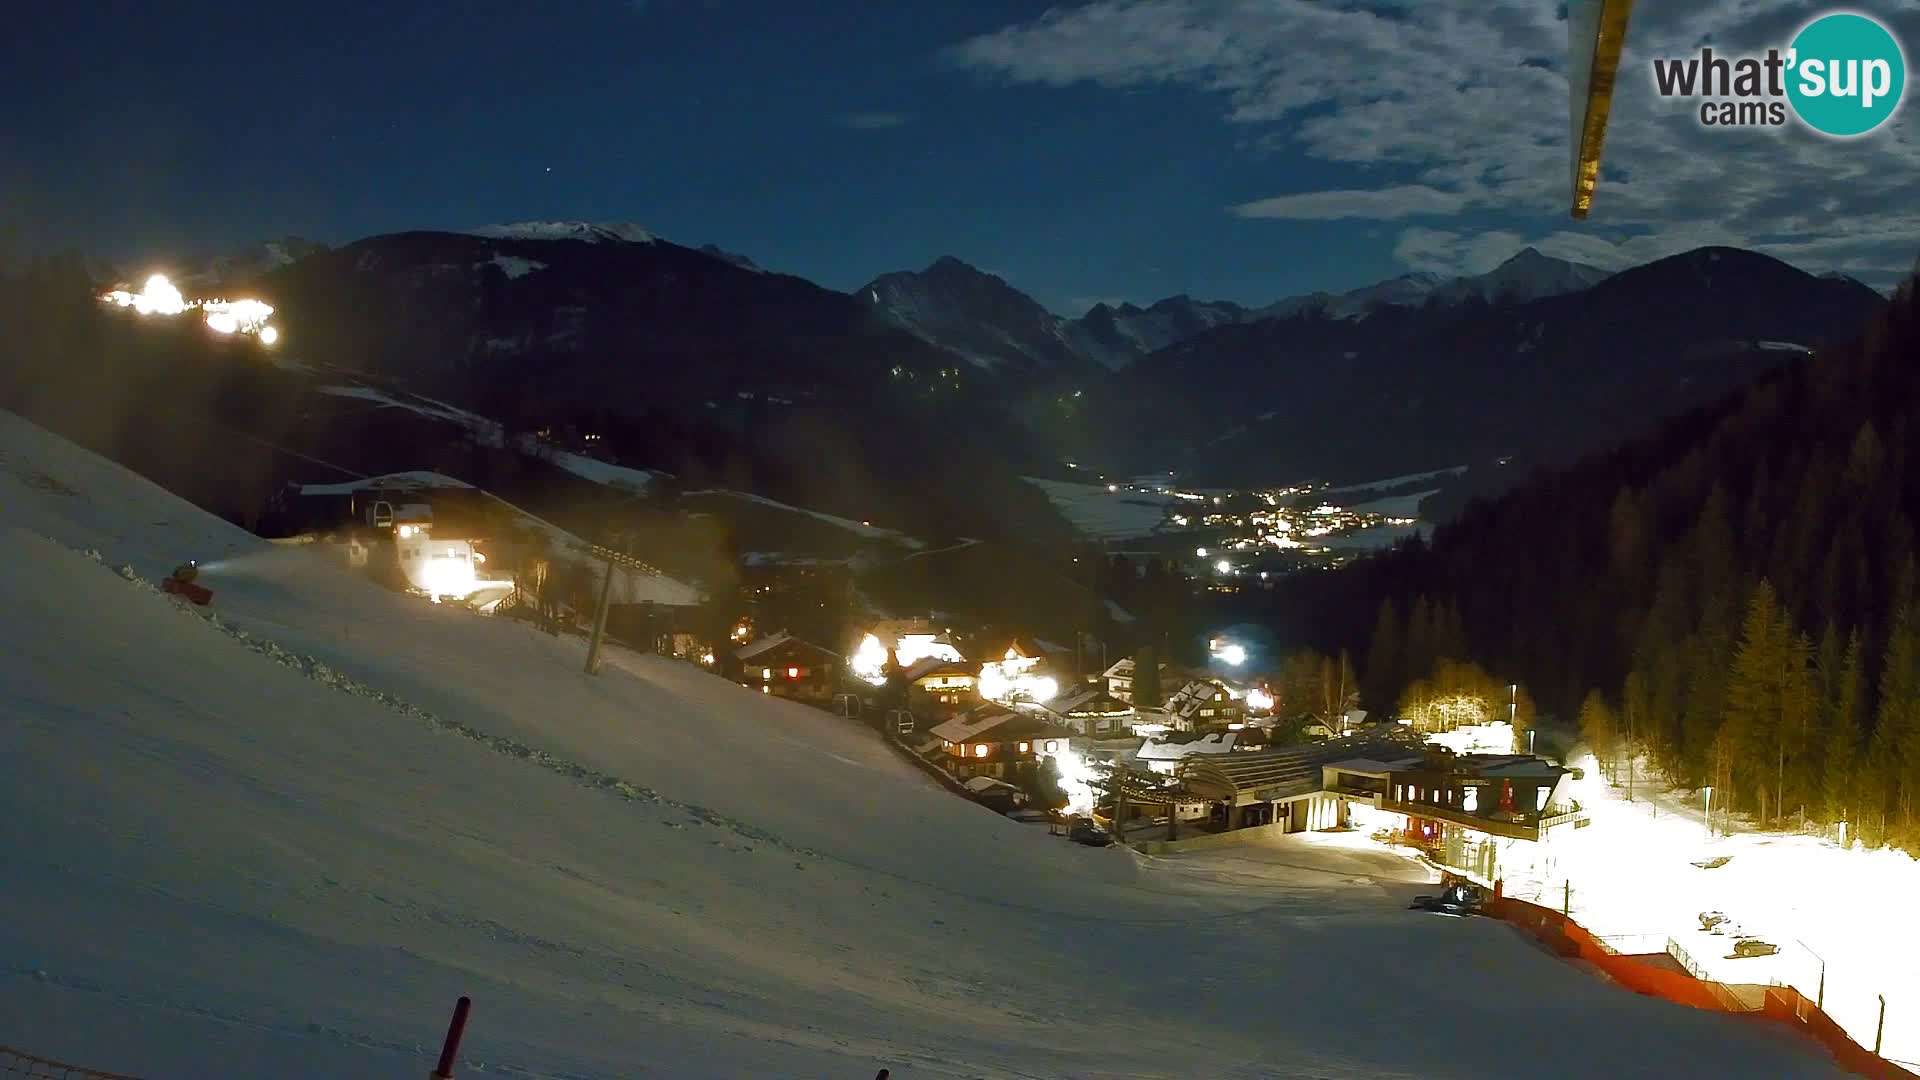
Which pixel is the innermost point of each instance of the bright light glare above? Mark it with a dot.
(160, 297)
(1232, 653)
(1076, 780)
(1259, 700)
(1223, 566)
(157, 297)
(869, 661)
(996, 684)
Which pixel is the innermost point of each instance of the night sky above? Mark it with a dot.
(1119, 149)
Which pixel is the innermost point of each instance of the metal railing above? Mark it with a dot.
(20, 1063)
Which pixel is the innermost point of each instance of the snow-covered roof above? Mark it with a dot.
(934, 665)
(766, 644)
(1218, 742)
(969, 726)
(1510, 766)
(1189, 699)
(1090, 698)
(981, 784)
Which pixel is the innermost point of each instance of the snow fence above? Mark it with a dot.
(1782, 1004)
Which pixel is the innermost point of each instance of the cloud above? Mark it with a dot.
(1451, 254)
(871, 121)
(1406, 200)
(1462, 108)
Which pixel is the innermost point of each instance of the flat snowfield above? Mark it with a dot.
(282, 843)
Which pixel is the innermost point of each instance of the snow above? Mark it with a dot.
(516, 267)
(1784, 346)
(590, 232)
(1399, 506)
(1396, 481)
(1632, 872)
(400, 481)
(1102, 514)
(871, 532)
(488, 432)
(280, 836)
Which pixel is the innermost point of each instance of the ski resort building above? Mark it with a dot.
(1441, 798)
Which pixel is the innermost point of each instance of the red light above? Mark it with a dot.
(793, 673)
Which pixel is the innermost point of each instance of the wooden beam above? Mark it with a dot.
(1599, 58)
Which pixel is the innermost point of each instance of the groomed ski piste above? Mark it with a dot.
(278, 837)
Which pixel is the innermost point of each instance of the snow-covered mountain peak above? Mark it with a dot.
(592, 232)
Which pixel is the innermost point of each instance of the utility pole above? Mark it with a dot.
(600, 620)
(1881, 1027)
(633, 565)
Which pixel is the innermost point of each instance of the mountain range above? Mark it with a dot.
(923, 396)
(997, 327)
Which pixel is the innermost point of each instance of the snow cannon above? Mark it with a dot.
(183, 582)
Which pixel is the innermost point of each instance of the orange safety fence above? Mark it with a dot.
(1783, 1004)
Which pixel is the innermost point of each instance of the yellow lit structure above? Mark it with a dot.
(1596, 33)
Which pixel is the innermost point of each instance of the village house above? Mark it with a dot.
(990, 740)
(938, 688)
(1120, 678)
(785, 666)
(1092, 711)
(1202, 704)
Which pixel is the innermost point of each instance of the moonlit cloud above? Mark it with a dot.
(1456, 109)
(1406, 200)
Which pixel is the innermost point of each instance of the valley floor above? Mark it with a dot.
(281, 837)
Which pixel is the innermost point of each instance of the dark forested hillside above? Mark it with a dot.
(1739, 588)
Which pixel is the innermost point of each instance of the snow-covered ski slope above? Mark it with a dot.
(281, 843)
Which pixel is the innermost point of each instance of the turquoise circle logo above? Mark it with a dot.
(1848, 74)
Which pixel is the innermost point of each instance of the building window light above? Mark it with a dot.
(1053, 746)
(766, 674)
(980, 750)
(793, 673)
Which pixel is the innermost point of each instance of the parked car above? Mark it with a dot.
(1090, 835)
(1746, 947)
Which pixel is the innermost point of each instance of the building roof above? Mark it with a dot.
(1509, 766)
(1367, 766)
(1218, 742)
(771, 642)
(992, 723)
(1187, 700)
(1284, 772)
(928, 666)
(970, 725)
(1092, 699)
